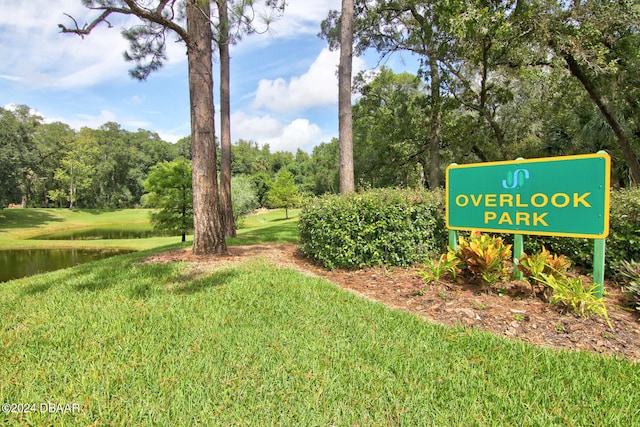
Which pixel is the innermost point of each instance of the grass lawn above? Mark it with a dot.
(19, 228)
(131, 343)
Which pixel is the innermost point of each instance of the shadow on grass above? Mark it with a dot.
(280, 219)
(198, 284)
(36, 289)
(97, 211)
(122, 272)
(279, 233)
(143, 280)
(25, 218)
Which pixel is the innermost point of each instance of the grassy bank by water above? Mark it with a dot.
(132, 343)
(20, 228)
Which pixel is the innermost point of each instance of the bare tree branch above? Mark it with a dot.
(134, 8)
(86, 29)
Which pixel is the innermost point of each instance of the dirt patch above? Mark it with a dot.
(514, 313)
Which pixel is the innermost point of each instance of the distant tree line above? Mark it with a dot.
(52, 165)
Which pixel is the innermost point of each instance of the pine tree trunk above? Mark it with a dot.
(345, 126)
(208, 233)
(226, 202)
(436, 120)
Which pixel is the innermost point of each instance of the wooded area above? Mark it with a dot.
(52, 165)
(500, 80)
(497, 80)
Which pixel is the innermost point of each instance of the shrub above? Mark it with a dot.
(486, 257)
(532, 265)
(629, 271)
(446, 265)
(578, 250)
(244, 195)
(623, 242)
(570, 293)
(633, 290)
(376, 227)
(543, 262)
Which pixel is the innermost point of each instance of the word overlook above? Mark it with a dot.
(537, 200)
(556, 196)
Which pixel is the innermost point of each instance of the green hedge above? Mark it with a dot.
(400, 227)
(382, 226)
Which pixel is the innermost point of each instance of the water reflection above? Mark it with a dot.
(103, 233)
(27, 262)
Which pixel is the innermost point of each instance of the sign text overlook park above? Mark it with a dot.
(555, 196)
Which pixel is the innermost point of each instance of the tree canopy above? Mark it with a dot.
(491, 71)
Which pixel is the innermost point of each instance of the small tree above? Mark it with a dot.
(245, 199)
(284, 193)
(170, 192)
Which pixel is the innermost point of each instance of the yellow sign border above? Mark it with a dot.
(607, 186)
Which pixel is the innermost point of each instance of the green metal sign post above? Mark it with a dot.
(556, 196)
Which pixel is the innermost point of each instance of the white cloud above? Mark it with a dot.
(299, 133)
(91, 121)
(304, 16)
(170, 137)
(34, 51)
(11, 78)
(252, 128)
(301, 19)
(318, 86)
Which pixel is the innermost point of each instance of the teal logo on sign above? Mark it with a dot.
(556, 196)
(516, 178)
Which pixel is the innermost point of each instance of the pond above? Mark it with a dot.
(18, 263)
(104, 233)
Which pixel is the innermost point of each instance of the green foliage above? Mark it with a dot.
(435, 270)
(170, 193)
(543, 262)
(376, 227)
(485, 257)
(284, 193)
(18, 153)
(532, 265)
(244, 196)
(623, 242)
(571, 293)
(629, 271)
(633, 290)
(388, 129)
(325, 176)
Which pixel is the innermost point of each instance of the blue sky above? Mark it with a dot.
(283, 83)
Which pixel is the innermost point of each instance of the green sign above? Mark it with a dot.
(555, 196)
